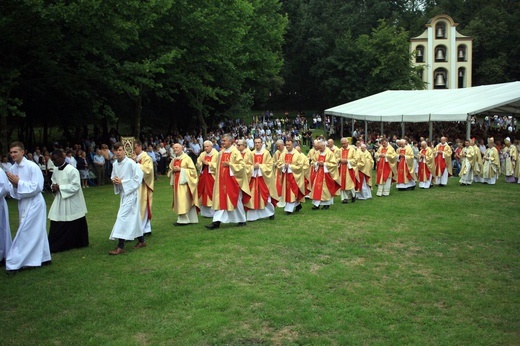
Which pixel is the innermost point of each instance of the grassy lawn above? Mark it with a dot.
(435, 267)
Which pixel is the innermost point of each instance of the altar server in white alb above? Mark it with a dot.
(69, 228)
(126, 177)
(30, 246)
(5, 230)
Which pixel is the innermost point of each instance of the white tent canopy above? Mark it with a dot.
(432, 105)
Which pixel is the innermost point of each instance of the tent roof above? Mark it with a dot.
(433, 105)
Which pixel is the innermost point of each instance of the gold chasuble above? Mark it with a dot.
(278, 174)
(230, 180)
(348, 172)
(263, 186)
(510, 155)
(144, 161)
(477, 161)
(247, 155)
(325, 184)
(293, 182)
(184, 184)
(365, 165)
(426, 164)
(206, 177)
(467, 160)
(405, 166)
(385, 165)
(491, 167)
(442, 163)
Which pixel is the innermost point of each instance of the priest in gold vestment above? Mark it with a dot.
(145, 163)
(183, 179)
(365, 165)
(491, 166)
(348, 171)
(466, 168)
(510, 154)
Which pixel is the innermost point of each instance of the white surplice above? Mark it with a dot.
(30, 246)
(69, 203)
(5, 229)
(128, 221)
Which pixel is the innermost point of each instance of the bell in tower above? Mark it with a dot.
(461, 55)
(439, 81)
(440, 32)
(439, 56)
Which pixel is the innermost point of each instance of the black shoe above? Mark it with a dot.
(345, 201)
(213, 225)
(180, 224)
(325, 207)
(241, 224)
(353, 199)
(315, 207)
(271, 217)
(288, 213)
(298, 207)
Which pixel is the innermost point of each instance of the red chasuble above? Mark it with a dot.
(402, 168)
(258, 187)
(228, 185)
(206, 183)
(424, 171)
(320, 179)
(290, 184)
(383, 168)
(440, 163)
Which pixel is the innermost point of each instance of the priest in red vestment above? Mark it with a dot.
(262, 185)
(206, 179)
(405, 166)
(385, 168)
(326, 178)
(231, 190)
(348, 172)
(291, 167)
(442, 154)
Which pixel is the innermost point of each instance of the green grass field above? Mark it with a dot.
(423, 267)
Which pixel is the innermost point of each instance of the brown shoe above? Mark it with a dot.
(139, 245)
(117, 251)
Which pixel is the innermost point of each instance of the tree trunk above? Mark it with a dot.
(200, 115)
(138, 107)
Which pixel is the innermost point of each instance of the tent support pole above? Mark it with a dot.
(366, 131)
(468, 127)
(430, 125)
(352, 130)
(402, 129)
(381, 128)
(341, 128)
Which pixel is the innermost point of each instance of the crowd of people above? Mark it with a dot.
(238, 173)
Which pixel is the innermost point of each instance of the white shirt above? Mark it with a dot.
(69, 203)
